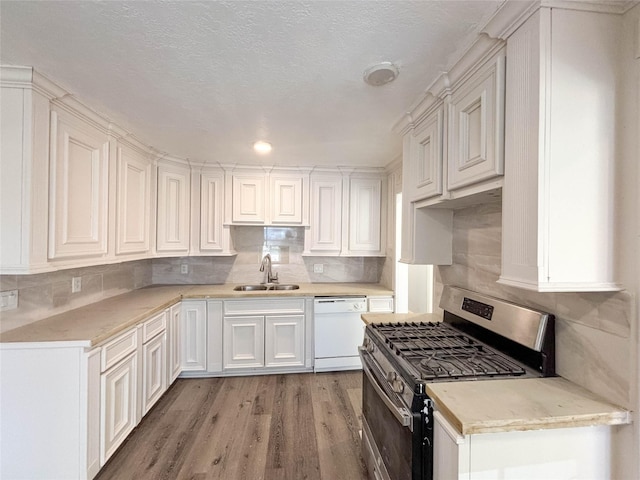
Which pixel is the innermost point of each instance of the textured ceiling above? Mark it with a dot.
(204, 80)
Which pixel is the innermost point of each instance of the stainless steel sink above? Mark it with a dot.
(262, 287)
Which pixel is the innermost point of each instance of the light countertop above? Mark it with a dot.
(93, 324)
(522, 404)
(369, 318)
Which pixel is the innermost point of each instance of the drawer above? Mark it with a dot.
(381, 304)
(154, 326)
(119, 348)
(264, 306)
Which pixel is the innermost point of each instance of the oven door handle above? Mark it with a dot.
(401, 413)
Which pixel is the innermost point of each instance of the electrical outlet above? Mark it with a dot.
(8, 300)
(318, 268)
(76, 284)
(184, 269)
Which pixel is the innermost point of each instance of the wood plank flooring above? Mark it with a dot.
(284, 427)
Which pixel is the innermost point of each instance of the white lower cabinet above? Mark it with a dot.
(194, 335)
(263, 333)
(174, 343)
(559, 453)
(119, 395)
(243, 342)
(154, 371)
(284, 340)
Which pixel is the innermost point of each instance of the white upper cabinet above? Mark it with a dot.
(79, 171)
(422, 157)
(365, 211)
(174, 208)
(324, 236)
(133, 212)
(249, 198)
(24, 173)
(209, 235)
(560, 152)
(279, 197)
(476, 126)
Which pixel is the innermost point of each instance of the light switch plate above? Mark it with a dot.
(8, 300)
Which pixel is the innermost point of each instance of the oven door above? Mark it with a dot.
(393, 444)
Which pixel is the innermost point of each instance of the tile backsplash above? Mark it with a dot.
(46, 294)
(593, 330)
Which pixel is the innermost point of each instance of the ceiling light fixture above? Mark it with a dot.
(381, 73)
(262, 147)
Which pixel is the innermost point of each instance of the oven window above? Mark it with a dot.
(394, 441)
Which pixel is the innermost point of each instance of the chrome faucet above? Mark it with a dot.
(269, 276)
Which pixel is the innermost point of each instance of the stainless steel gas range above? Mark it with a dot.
(479, 338)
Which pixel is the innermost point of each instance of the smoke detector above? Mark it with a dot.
(381, 73)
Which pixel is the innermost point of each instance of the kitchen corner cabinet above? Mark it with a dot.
(194, 335)
(324, 235)
(133, 212)
(261, 334)
(558, 196)
(562, 453)
(210, 236)
(79, 171)
(174, 208)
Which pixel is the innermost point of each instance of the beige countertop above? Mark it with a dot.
(95, 323)
(522, 404)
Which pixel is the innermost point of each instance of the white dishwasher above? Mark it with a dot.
(339, 331)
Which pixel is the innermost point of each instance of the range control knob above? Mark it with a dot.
(397, 386)
(391, 376)
(367, 344)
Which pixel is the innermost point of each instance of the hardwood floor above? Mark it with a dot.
(301, 426)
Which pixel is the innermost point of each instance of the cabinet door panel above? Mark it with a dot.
(211, 208)
(134, 197)
(79, 188)
(476, 127)
(194, 335)
(249, 198)
(118, 406)
(173, 209)
(154, 371)
(325, 231)
(364, 215)
(243, 342)
(284, 340)
(424, 171)
(286, 195)
(175, 343)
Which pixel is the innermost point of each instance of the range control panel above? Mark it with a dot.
(477, 308)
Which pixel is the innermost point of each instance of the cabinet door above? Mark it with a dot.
(173, 209)
(118, 406)
(243, 341)
(154, 371)
(249, 198)
(211, 211)
(476, 126)
(134, 198)
(79, 188)
(174, 339)
(194, 335)
(450, 451)
(325, 230)
(365, 198)
(424, 169)
(284, 340)
(286, 199)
